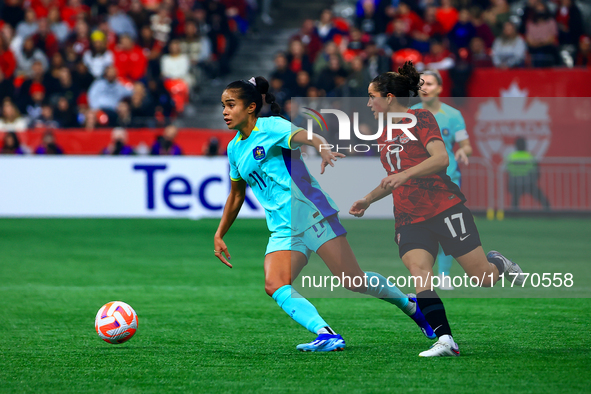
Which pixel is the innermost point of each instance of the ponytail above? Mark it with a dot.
(262, 85)
(252, 91)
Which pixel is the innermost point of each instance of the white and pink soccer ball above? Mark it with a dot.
(116, 322)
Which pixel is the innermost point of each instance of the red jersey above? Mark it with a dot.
(130, 64)
(421, 198)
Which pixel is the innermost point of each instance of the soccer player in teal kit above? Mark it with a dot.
(301, 216)
(453, 130)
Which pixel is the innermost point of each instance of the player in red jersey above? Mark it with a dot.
(428, 207)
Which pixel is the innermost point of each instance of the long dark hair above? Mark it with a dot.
(403, 84)
(16, 144)
(250, 93)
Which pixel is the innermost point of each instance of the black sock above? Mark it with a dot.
(434, 312)
(498, 263)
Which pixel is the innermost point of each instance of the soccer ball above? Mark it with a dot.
(116, 322)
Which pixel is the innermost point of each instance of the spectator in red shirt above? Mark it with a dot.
(7, 59)
(41, 7)
(483, 30)
(297, 57)
(479, 56)
(130, 60)
(411, 20)
(308, 36)
(438, 58)
(429, 28)
(71, 12)
(447, 15)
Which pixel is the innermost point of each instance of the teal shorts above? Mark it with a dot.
(310, 240)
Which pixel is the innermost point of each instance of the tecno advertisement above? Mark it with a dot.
(117, 187)
(151, 187)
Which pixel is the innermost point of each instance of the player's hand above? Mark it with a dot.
(358, 208)
(394, 181)
(220, 249)
(462, 157)
(327, 158)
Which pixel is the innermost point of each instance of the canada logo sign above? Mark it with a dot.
(500, 121)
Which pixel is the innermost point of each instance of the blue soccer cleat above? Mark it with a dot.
(324, 343)
(419, 318)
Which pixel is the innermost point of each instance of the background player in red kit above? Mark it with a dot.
(428, 207)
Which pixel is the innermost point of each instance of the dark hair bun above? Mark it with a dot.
(412, 76)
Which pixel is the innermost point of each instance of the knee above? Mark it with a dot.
(417, 270)
(271, 286)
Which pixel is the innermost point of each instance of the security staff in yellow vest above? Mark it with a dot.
(524, 175)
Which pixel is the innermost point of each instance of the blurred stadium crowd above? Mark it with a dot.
(337, 57)
(129, 63)
(134, 63)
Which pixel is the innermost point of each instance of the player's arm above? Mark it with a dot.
(231, 209)
(360, 206)
(438, 161)
(464, 151)
(461, 137)
(300, 138)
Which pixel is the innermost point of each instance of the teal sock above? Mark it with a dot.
(444, 262)
(299, 308)
(386, 291)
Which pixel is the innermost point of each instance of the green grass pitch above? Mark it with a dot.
(206, 328)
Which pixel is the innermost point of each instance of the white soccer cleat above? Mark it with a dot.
(445, 283)
(513, 270)
(441, 348)
(324, 343)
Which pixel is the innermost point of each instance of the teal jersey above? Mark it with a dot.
(453, 129)
(292, 198)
